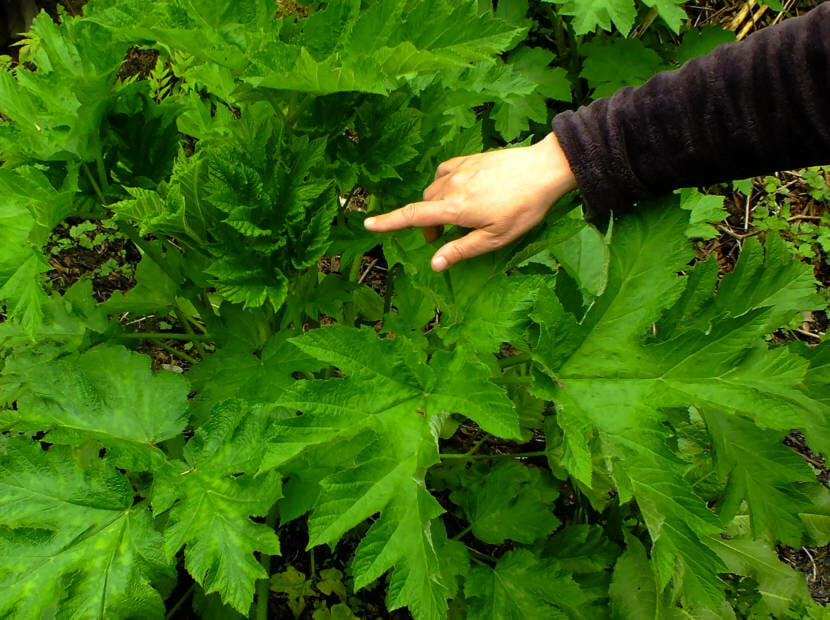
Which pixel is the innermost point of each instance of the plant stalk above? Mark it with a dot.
(180, 602)
(510, 380)
(189, 329)
(166, 336)
(176, 352)
(515, 455)
(515, 360)
(263, 586)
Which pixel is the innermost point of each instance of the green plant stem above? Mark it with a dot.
(167, 336)
(263, 586)
(189, 329)
(102, 173)
(515, 360)
(462, 533)
(292, 116)
(477, 445)
(489, 559)
(515, 455)
(390, 288)
(510, 379)
(96, 188)
(559, 36)
(348, 200)
(196, 324)
(176, 352)
(180, 602)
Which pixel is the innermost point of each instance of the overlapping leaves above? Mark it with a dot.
(609, 378)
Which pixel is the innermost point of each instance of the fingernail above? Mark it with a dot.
(439, 263)
(369, 222)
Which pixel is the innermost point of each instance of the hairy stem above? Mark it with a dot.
(189, 329)
(515, 455)
(102, 173)
(167, 336)
(462, 533)
(176, 352)
(263, 586)
(510, 379)
(96, 188)
(180, 602)
(515, 360)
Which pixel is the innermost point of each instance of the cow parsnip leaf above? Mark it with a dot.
(386, 44)
(632, 380)
(30, 206)
(237, 371)
(107, 393)
(216, 492)
(508, 501)
(633, 592)
(520, 586)
(70, 537)
(513, 111)
(783, 590)
(768, 276)
(671, 11)
(481, 306)
(613, 63)
(705, 210)
(700, 41)
(762, 471)
(395, 404)
(588, 15)
(56, 106)
(154, 292)
(404, 538)
(636, 596)
(399, 378)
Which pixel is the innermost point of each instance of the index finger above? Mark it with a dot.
(428, 213)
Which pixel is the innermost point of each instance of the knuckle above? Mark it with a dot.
(457, 253)
(409, 212)
(452, 210)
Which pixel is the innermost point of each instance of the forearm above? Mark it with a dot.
(746, 109)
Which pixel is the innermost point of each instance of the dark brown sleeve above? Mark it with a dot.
(748, 108)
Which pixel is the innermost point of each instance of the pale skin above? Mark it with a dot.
(500, 195)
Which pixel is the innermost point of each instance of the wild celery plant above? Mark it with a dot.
(232, 168)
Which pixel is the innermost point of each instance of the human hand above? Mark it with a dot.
(500, 194)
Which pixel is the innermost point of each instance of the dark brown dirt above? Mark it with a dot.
(138, 62)
(71, 264)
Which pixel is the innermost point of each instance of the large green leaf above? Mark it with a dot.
(106, 393)
(72, 538)
(762, 471)
(588, 15)
(607, 376)
(508, 501)
(393, 403)
(30, 207)
(522, 586)
(213, 497)
(56, 103)
(236, 371)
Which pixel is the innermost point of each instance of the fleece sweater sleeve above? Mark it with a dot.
(748, 108)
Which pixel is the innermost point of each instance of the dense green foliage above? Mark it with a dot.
(649, 387)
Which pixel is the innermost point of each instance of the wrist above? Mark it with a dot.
(561, 178)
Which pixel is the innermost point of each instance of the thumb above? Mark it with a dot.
(472, 244)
